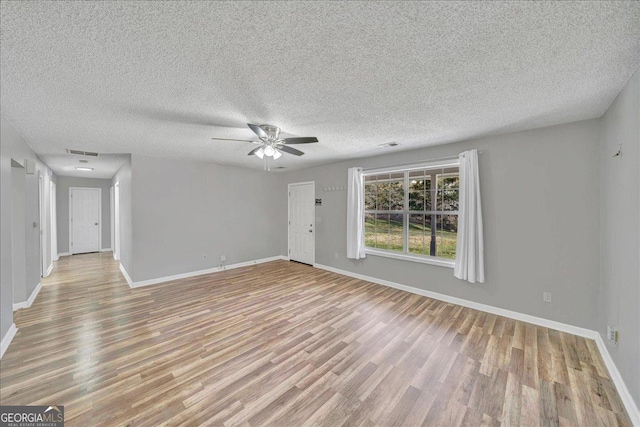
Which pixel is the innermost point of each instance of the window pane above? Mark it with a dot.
(450, 200)
(416, 191)
(420, 234)
(370, 230)
(416, 200)
(370, 201)
(449, 181)
(396, 232)
(447, 235)
(396, 192)
(428, 190)
(416, 234)
(382, 195)
(382, 231)
(369, 193)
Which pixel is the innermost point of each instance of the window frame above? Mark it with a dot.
(405, 212)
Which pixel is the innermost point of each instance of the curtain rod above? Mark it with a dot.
(412, 164)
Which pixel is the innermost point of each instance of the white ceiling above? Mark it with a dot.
(162, 78)
(104, 166)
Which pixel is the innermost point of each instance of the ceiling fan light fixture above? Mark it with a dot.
(269, 151)
(276, 155)
(260, 153)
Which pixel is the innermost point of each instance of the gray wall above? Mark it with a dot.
(62, 190)
(123, 179)
(620, 232)
(540, 208)
(183, 210)
(13, 146)
(18, 234)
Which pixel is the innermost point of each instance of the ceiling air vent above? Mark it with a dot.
(82, 153)
(388, 144)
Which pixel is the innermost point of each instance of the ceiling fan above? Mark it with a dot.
(270, 144)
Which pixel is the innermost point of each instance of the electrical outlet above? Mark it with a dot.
(612, 334)
(223, 258)
(336, 255)
(546, 296)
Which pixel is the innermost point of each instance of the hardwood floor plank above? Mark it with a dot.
(285, 344)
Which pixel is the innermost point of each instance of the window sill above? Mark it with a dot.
(433, 261)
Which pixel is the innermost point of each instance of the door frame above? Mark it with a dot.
(71, 216)
(53, 207)
(112, 243)
(116, 221)
(42, 229)
(313, 262)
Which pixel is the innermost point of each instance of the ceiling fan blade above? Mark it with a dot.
(239, 140)
(301, 140)
(252, 152)
(290, 150)
(258, 130)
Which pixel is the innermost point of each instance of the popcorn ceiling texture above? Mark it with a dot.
(162, 78)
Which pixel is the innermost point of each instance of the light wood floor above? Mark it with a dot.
(285, 344)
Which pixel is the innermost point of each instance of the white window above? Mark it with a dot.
(412, 213)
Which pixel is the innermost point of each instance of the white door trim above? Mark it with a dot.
(112, 243)
(313, 261)
(42, 229)
(71, 252)
(53, 207)
(116, 221)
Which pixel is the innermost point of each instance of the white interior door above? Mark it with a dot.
(302, 222)
(85, 220)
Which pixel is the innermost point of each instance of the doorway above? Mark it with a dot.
(85, 219)
(301, 208)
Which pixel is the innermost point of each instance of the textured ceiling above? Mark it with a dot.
(162, 78)
(104, 166)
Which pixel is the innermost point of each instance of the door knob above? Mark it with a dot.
(96, 223)
(310, 231)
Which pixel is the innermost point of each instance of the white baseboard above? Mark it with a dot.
(126, 276)
(623, 391)
(49, 270)
(199, 272)
(8, 337)
(575, 330)
(105, 250)
(27, 303)
(63, 254)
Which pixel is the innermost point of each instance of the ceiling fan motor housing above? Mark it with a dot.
(273, 132)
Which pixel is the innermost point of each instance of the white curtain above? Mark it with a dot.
(470, 249)
(355, 215)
